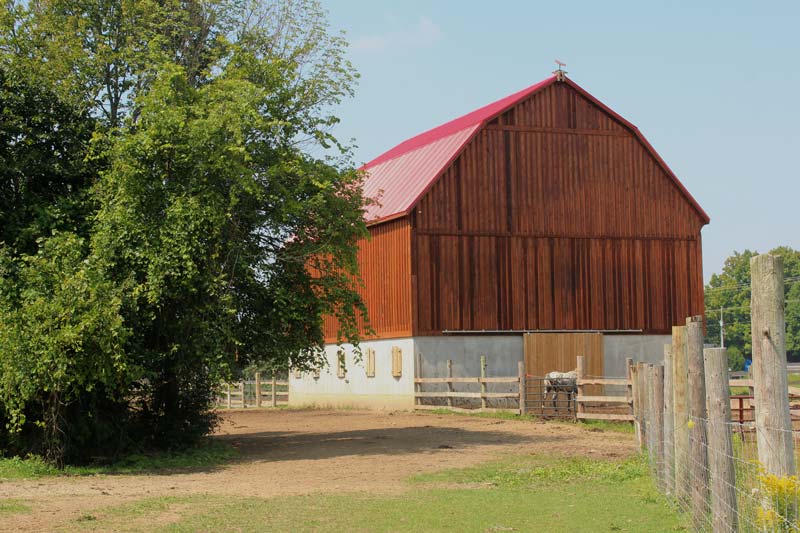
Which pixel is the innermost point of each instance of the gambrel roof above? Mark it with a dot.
(399, 177)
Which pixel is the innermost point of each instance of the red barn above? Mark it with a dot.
(542, 212)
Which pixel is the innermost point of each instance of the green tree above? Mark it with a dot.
(215, 237)
(728, 293)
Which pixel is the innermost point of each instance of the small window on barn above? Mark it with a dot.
(397, 362)
(298, 373)
(341, 368)
(370, 363)
(315, 373)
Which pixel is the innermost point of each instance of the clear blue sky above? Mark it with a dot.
(714, 86)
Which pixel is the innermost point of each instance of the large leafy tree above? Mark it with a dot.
(728, 295)
(212, 233)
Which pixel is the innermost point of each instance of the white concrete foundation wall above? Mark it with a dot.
(355, 389)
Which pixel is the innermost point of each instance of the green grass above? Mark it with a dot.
(530, 493)
(8, 507)
(210, 454)
(794, 379)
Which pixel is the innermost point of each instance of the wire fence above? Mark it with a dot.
(726, 488)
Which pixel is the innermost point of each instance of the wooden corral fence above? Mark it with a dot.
(253, 393)
(604, 406)
(454, 400)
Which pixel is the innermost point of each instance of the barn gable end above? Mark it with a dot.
(556, 215)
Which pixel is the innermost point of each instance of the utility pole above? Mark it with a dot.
(721, 329)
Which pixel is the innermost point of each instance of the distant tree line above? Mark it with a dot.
(164, 219)
(727, 294)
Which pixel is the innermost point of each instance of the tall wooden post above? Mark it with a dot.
(258, 389)
(274, 391)
(229, 395)
(581, 370)
(450, 383)
(720, 441)
(698, 448)
(629, 378)
(773, 422)
(483, 383)
(669, 423)
(522, 388)
(241, 391)
(680, 383)
(649, 386)
(636, 403)
(657, 407)
(641, 395)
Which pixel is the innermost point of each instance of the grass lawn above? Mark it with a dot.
(529, 493)
(211, 453)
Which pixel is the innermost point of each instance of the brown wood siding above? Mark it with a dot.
(385, 265)
(558, 352)
(541, 283)
(555, 216)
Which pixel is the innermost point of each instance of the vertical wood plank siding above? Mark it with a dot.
(385, 264)
(555, 217)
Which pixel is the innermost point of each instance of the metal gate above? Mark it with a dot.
(562, 406)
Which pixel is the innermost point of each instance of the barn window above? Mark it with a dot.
(298, 373)
(397, 362)
(341, 368)
(315, 373)
(370, 363)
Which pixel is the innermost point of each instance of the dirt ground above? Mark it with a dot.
(286, 452)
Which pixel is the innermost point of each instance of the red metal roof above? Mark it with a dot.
(398, 178)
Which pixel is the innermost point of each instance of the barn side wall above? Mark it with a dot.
(384, 261)
(555, 216)
(355, 389)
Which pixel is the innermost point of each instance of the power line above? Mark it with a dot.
(739, 286)
(747, 307)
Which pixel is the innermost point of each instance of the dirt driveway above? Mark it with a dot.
(287, 452)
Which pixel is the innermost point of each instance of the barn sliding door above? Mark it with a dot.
(548, 352)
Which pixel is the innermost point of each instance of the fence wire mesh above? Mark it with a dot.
(745, 498)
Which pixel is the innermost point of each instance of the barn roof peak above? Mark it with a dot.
(399, 177)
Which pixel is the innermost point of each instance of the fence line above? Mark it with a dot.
(728, 471)
(253, 393)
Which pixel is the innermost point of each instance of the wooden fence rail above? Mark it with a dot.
(483, 395)
(595, 407)
(253, 393)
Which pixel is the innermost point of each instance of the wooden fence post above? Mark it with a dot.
(450, 383)
(649, 390)
(636, 403)
(274, 391)
(657, 407)
(669, 423)
(720, 441)
(629, 388)
(581, 369)
(483, 383)
(680, 383)
(241, 390)
(229, 396)
(641, 396)
(522, 386)
(258, 389)
(698, 449)
(773, 421)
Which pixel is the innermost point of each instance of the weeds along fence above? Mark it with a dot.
(257, 392)
(730, 461)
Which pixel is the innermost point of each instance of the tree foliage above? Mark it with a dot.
(728, 293)
(167, 215)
